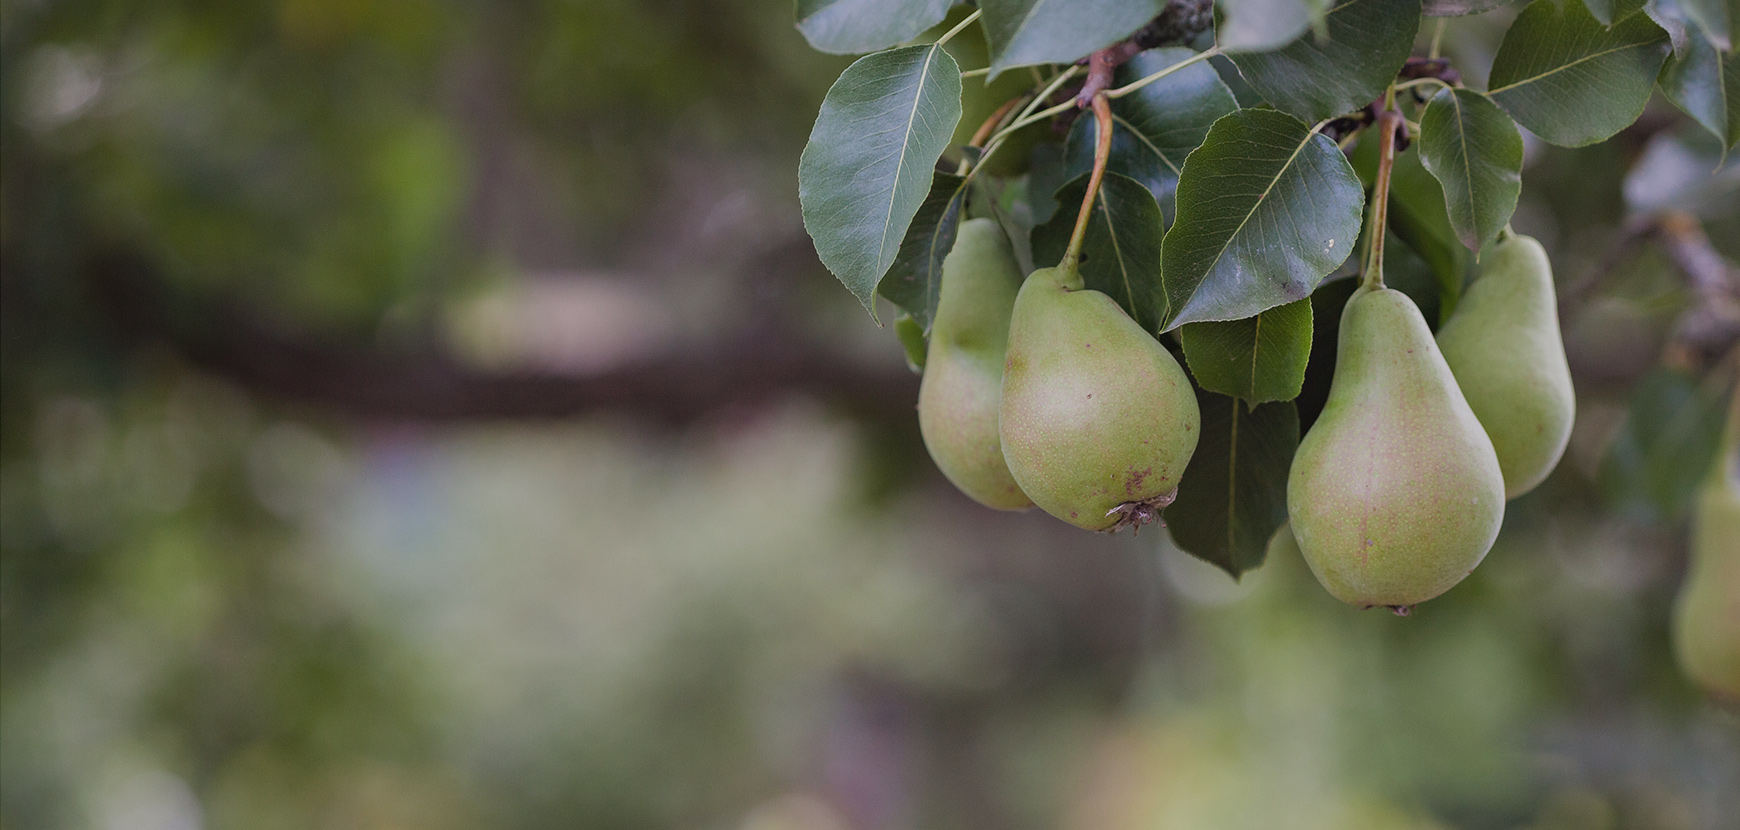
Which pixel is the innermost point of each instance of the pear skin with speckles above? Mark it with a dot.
(1395, 494)
(1098, 419)
(961, 392)
(1707, 613)
(1503, 346)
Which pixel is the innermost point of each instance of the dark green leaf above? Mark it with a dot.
(914, 282)
(1044, 176)
(1260, 25)
(868, 165)
(1607, 11)
(1156, 127)
(1571, 81)
(1419, 219)
(850, 27)
(1006, 201)
(1266, 208)
(1234, 492)
(1662, 452)
(1121, 251)
(1476, 153)
(1257, 359)
(1457, 8)
(1314, 77)
(1705, 83)
(1024, 32)
(1229, 75)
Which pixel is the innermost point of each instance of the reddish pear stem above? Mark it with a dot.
(990, 126)
(1102, 150)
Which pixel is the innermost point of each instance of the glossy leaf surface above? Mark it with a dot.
(868, 166)
(1266, 208)
(1569, 79)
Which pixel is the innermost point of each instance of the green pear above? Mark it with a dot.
(1707, 615)
(1098, 419)
(961, 391)
(1504, 347)
(1395, 493)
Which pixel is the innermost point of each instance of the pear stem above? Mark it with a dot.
(1102, 151)
(985, 130)
(1388, 122)
(990, 126)
(1028, 116)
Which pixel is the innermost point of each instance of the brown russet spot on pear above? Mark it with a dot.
(1395, 494)
(1098, 419)
(1706, 625)
(960, 395)
(1503, 346)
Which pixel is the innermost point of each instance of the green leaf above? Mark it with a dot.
(1024, 32)
(1260, 25)
(1608, 11)
(1706, 84)
(1044, 176)
(1458, 8)
(1476, 153)
(914, 282)
(1667, 14)
(910, 333)
(1314, 77)
(1266, 208)
(1234, 491)
(1121, 250)
(1155, 127)
(1257, 359)
(1663, 451)
(1419, 217)
(851, 27)
(867, 168)
(1569, 80)
(1006, 201)
(1715, 18)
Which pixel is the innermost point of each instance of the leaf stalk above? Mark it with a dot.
(949, 35)
(1128, 88)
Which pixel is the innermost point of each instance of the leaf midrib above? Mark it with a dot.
(1558, 69)
(1140, 136)
(1248, 214)
(900, 165)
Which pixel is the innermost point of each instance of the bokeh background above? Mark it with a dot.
(432, 415)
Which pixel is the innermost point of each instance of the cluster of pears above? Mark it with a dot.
(1398, 490)
(1707, 617)
(1043, 392)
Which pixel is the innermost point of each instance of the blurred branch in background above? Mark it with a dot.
(765, 359)
(1709, 327)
